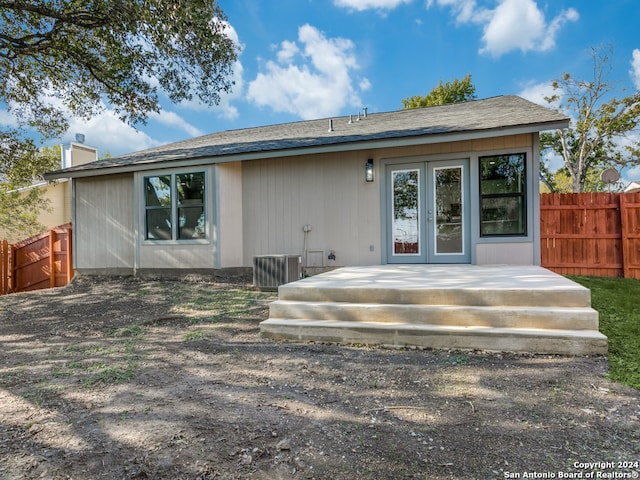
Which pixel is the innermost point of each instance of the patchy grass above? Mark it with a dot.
(618, 301)
(131, 331)
(111, 375)
(194, 335)
(202, 306)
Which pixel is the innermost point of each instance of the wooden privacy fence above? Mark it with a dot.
(594, 234)
(42, 261)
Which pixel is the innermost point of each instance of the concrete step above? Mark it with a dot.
(550, 341)
(496, 308)
(571, 318)
(555, 296)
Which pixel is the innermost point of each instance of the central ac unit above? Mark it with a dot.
(271, 271)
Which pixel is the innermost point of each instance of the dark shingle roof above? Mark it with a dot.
(489, 115)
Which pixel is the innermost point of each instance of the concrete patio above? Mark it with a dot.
(494, 308)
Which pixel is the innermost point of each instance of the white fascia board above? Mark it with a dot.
(333, 148)
(39, 185)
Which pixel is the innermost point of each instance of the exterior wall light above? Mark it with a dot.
(368, 171)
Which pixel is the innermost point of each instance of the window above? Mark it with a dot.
(502, 195)
(174, 206)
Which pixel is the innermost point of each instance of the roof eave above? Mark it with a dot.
(331, 148)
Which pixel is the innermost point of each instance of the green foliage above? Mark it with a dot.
(600, 125)
(21, 165)
(69, 56)
(560, 182)
(79, 53)
(616, 299)
(443, 94)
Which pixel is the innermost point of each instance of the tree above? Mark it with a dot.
(21, 166)
(560, 182)
(601, 124)
(69, 57)
(449, 92)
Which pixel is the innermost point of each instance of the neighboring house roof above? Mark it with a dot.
(633, 187)
(495, 116)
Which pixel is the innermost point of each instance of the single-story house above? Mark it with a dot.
(447, 184)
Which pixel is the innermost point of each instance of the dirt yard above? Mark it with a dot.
(138, 379)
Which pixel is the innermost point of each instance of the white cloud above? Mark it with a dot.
(365, 85)
(361, 5)
(287, 52)
(108, 133)
(225, 109)
(464, 11)
(512, 25)
(537, 92)
(519, 24)
(172, 119)
(104, 130)
(633, 173)
(7, 119)
(320, 84)
(635, 68)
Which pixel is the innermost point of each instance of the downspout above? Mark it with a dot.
(74, 238)
(535, 186)
(136, 223)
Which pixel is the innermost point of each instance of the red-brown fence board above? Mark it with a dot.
(594, 234)
(630, 208)
(42, 261)
(5, 255)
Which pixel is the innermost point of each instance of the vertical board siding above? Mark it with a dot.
(42, 261)
(104, 222)
(282, 195)
(595, 234)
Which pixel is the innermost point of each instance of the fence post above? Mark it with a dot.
(52, 259)
(4, 266)
(69, 256)
(12, 268)
(624, 237)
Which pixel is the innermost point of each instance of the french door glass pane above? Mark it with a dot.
(448, 210)
(406, 212)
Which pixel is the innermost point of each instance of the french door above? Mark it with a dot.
(428, 212)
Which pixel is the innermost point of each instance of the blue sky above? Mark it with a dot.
(305, 59)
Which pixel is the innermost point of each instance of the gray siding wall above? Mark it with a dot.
(261, 207)
(228, 221)
(104, 222)
(327, 192)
